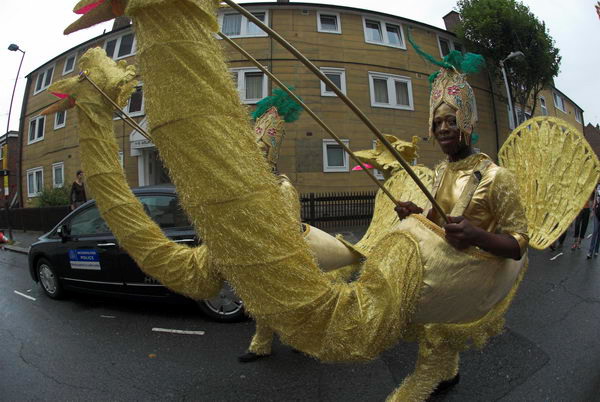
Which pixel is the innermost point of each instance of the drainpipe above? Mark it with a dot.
(495, 115)
(21, 135)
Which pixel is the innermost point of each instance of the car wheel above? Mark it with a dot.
(225, 307)
(49, 281)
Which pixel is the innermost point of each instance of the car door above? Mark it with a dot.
(90, 256)
(164, 209)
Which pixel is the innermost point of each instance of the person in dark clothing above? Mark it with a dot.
(77, 196)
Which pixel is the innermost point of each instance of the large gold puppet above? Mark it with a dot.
(411, 274)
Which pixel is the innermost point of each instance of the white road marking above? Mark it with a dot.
(107, 316)
(590, 235)
(178, 331)
(556, 256)
(25, 296)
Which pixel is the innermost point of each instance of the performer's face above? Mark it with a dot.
(446, 131)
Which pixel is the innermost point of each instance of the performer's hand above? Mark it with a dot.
(403, 209)
(461, 233)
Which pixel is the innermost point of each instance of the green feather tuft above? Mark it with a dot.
(287, 107)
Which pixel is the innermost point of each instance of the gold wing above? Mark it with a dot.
(556, 171)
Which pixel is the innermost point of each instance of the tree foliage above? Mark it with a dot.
(51, 197)
(494, 29)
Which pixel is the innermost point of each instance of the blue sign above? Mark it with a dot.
(84, 259)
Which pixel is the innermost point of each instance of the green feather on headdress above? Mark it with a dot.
(468, 63)
(287, 107)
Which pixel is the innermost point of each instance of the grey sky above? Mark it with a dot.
(36, 26)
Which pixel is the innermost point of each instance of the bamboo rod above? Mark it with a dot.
(311, 113)
(128, 120)
(344, 98)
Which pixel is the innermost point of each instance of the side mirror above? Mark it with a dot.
(63, 232)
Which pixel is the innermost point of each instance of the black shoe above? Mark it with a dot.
(446, 385)
(249, 357)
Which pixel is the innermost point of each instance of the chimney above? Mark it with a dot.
(120, 22)
(451, 20)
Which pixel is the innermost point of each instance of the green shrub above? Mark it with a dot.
(52, 197)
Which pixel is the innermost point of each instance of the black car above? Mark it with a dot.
(81, 254)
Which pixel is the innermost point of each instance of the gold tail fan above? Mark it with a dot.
(556, 171)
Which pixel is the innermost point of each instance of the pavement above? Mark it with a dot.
(23, 239)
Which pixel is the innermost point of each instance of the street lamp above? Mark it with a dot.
(13, 48)
(510, 104)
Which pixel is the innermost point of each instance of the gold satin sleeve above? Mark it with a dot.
(507, 208)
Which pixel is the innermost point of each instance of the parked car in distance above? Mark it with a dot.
(81, 254)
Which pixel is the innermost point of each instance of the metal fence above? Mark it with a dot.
(37, 219)
(323, 210)
(337, 209)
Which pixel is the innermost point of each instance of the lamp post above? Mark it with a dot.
(510, 104)
(13, 48)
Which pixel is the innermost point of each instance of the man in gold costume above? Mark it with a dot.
(479, 197)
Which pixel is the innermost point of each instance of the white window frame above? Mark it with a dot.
(578, 115)
(119, 38)
(44, 76)
(241, 83)
(333, 70)
(245, 22)
(378, 175)
(37, 120)
(121, 160)
(74, 56)
(57, 125)
(385, 40)
(334, 169)
(562, 100)
(543, 106)
(451, 44)
(32, 172)
(332, 14)
(391, 79)
(62, 174)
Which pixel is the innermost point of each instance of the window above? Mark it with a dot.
(251, 84)
(522, 116)
(88, 222)
(121, 46)
(376, 172)
(69, 64)
(338, 76)
(135, 104)
(44, 79)
(36, 129)
(335, 159)
(391, 91)
(236, 25)
(579, 115)
(446, 46)
(329, 23)
(60, 119)
(383, 33)
(164, 210)
(121, 158)
(58, 175)
(35, 181)
(559, 102)
(543, 106)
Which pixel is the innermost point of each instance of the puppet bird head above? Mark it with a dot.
(94, 12)
(116, 79)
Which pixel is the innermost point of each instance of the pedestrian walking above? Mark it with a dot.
(595, 243)
(77, 196)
